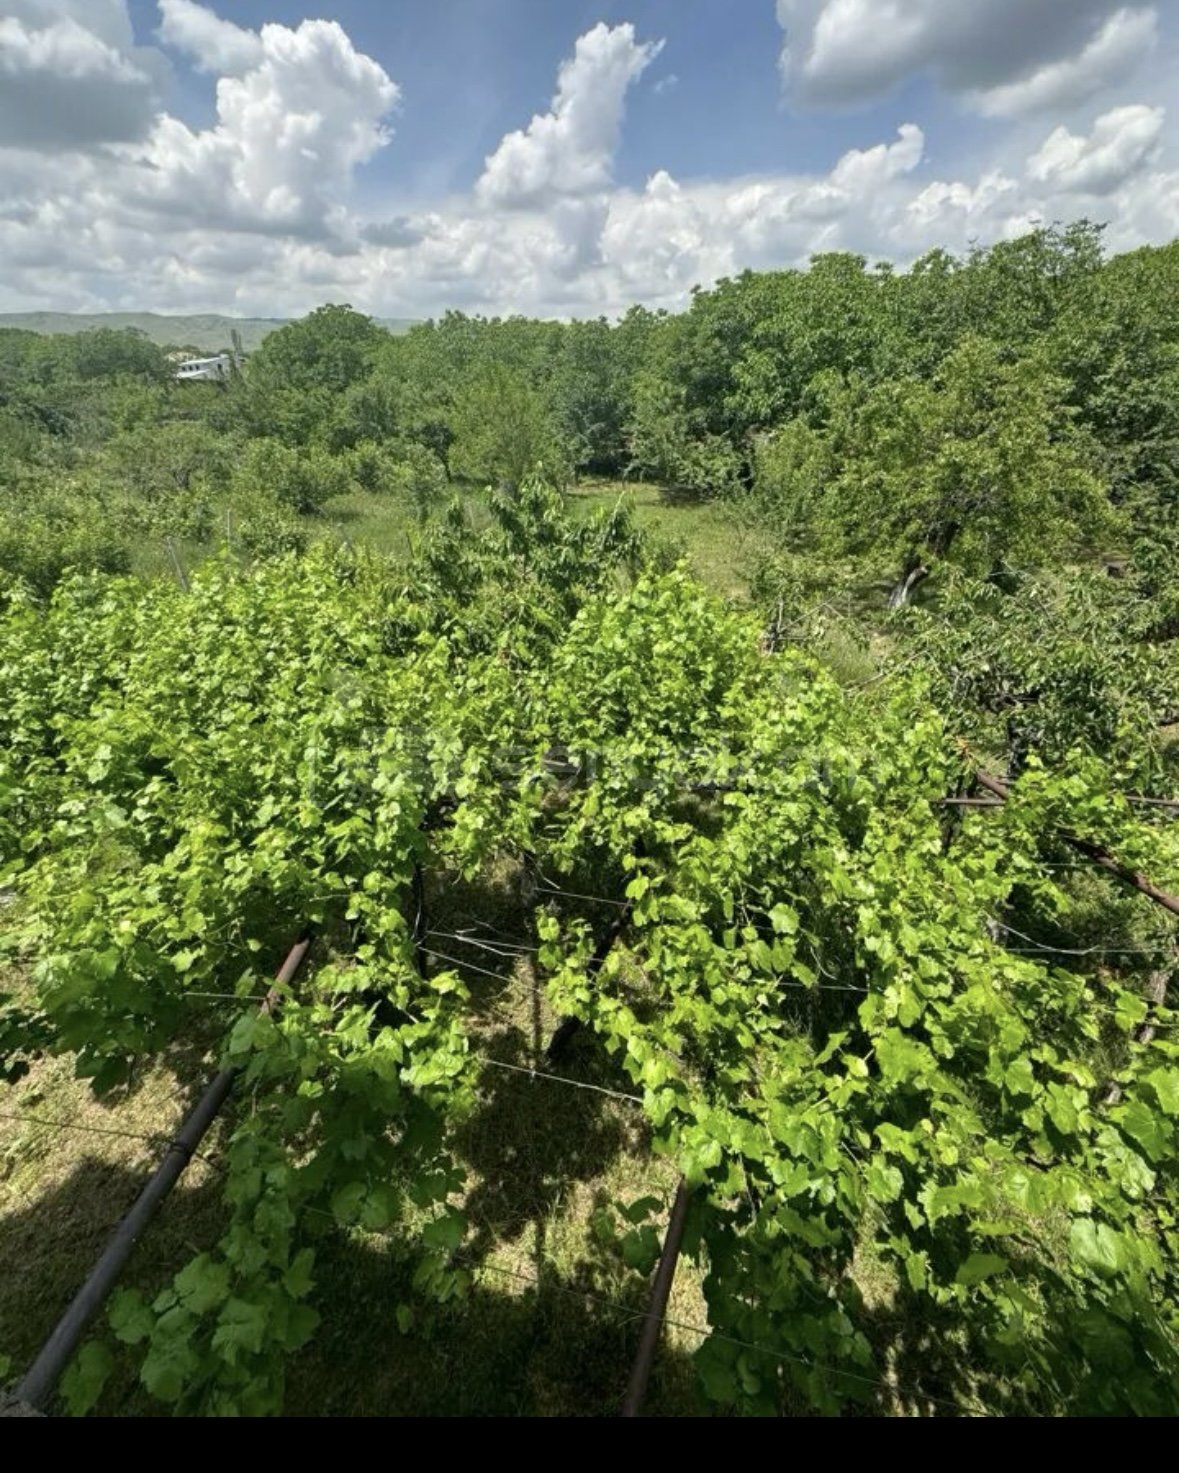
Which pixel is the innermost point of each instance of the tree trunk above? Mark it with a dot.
(910, 579)
(1156, 995)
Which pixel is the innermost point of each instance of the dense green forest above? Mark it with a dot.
(204, 333)
(1013, 408)
(886, 848)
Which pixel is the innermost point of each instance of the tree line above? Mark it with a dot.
(1016, 405)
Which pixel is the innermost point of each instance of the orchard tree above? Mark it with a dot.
(1119, 348)
(331, 348)
(1016, 290)
(301, 479)
(983, 464)
(504, 430)
(158, 460)
(296, 377)
(830, 318)
(109, 353)
(1052, 663)
(589, 393)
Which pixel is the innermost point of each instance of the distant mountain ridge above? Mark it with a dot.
(207, 331)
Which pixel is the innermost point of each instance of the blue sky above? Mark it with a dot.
(470, 70)
(554, 156)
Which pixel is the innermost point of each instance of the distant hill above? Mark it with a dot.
(208, 332)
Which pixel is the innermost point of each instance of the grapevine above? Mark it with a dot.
(838, 1051)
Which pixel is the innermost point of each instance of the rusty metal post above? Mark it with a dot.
(39, 1382)
(660, 1293)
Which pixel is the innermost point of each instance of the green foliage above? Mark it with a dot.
(503, 432)
(104, 353)
(827, 1040)
(295, 379)
(330, 349)
(831, 319)
(880, 414)
(1055, 663)
(418, 475)
(981, 463)
(664, 446)
(303, 480)
(49, 525)
(404, 469)
(84, 1380)
(589, 391)
(818, 997)
(1118, 347)
(158, 461)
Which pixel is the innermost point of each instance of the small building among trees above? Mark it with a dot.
(205, 370)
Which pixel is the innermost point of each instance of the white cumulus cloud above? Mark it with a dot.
(71, 76)
(1114, 52)
(866, 169)
(570, 149)
(291, 130)
(1007, 54)
(106, 19)
(1120, 144)
(260, 211)
(215, 45)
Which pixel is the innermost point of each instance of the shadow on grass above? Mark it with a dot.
(684, 496)
(48, 1248)
(520, 1349)
(537, 1335)
(511, 1348)
(531, 1141)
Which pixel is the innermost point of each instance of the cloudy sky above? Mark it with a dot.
(554, 156)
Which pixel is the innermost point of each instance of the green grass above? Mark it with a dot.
(716, 548)
(701, 531)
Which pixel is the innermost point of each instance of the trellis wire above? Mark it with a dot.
(532, 1073)
(504, 949)
(157, 1139)
(687, 1326)
(1075, 950)
(39, 1382)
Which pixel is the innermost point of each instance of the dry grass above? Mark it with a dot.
(70, 1167)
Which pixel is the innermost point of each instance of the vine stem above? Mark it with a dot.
(1096, 852)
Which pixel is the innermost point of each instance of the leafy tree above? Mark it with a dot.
(51, 525)
(107, 353)
(828, 319)
(1045, 665)
(160, 460)
(1118, 346)
(372, 411)
(331, 348)
(1014, 291)
(301, 479)
(504, 430)
(589, 390)
(297, 375)
(418, 475)
(400, 468)
(983, 463)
